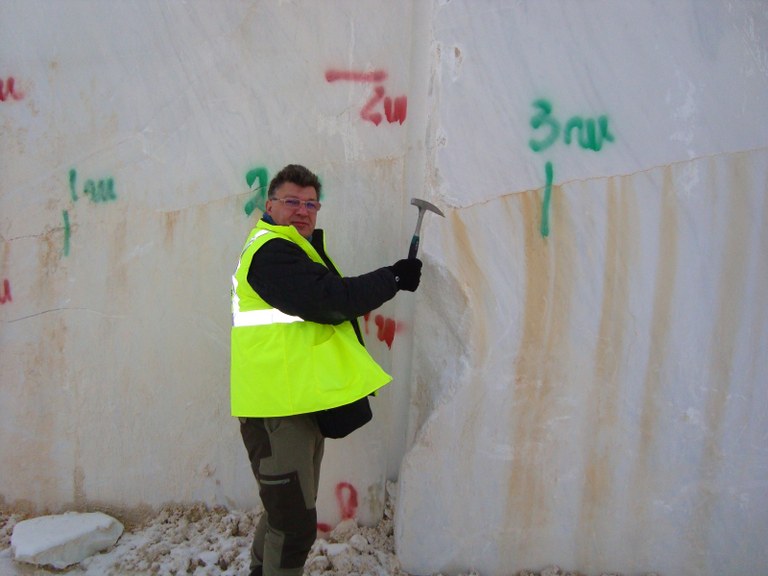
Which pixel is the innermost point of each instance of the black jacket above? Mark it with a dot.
(289, 280)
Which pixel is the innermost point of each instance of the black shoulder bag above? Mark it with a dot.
(343, 420)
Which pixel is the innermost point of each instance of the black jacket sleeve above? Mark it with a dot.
(288, 279)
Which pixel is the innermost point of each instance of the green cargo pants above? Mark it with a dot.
(285, 455)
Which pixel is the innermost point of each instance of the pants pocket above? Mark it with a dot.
(287, 515)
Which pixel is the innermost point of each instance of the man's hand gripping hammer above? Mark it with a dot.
(423, 206)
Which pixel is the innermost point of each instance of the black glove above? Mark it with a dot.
(407, 273)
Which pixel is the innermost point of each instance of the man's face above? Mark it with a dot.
(300, 218)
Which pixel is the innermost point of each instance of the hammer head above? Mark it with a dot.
(424, 205)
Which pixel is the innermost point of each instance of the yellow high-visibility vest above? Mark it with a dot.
(283, 365)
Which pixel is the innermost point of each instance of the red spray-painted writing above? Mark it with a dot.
(8, 90)
(385, 328)
(395, 110)
(348, 503)
(351, 75)
(346, 497)
(5, 295)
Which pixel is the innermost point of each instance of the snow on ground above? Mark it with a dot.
(201, 541)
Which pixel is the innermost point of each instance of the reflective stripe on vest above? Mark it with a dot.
(256, 317)
(263, 318)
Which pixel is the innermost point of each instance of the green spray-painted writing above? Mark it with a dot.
(97, 190)
(590, 133)
(259, 199)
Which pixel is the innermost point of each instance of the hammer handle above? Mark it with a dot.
(415, 240)
(414, 247)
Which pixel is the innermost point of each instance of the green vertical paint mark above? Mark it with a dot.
(72, 180)
(258, 200)
(547, 199)
(65, 214)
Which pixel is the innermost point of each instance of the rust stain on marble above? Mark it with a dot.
(539, 370)
(644, 474)
(601, 417)
(729, 316)
(471, 278)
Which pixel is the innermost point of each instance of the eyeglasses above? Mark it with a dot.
(295, 203)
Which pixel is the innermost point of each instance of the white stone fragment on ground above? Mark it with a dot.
(334, 549)
(64, 539)
(359, 543)
(344, 530)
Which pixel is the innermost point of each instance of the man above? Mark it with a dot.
(297, 352)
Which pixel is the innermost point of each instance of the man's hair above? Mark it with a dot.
(295, 174)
